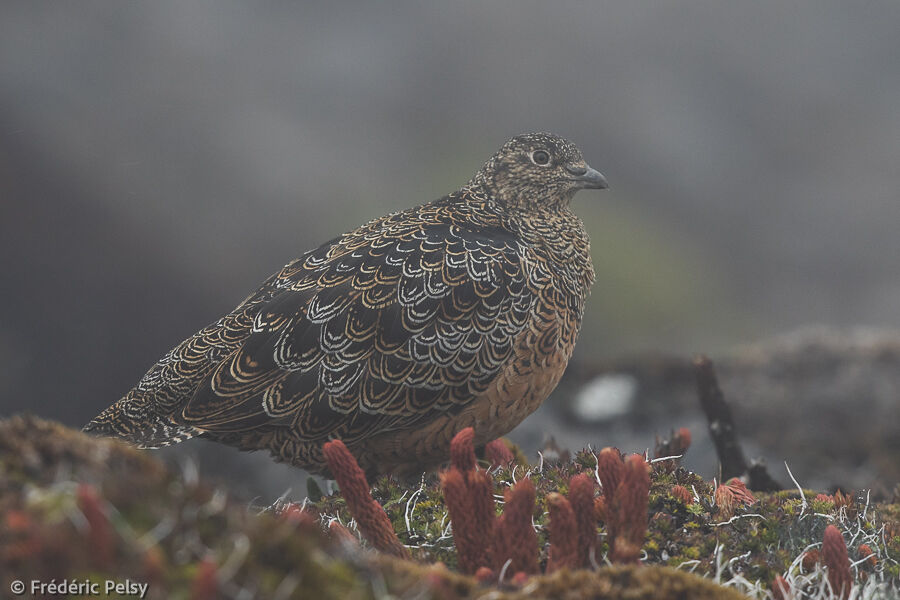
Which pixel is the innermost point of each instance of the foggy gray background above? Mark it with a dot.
(159, 159)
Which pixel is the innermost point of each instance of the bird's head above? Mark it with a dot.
(537, 170)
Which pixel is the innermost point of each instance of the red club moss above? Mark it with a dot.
(609, 469)
(781, 589)
(370, 516)
(563, 534)
(468, 532)
(101, 532)
(865, 551)
(682, 440)
(627, 523)
(810, 559)
(204, 586)
(834, 555)
(581, 497)
(468, 494)
(294, 513)
(498, 453)
(514, 535)
(462, 453)
(484, 575)
(342, 534)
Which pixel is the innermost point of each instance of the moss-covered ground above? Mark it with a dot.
(77, 508)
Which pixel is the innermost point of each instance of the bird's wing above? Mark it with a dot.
(387, 326)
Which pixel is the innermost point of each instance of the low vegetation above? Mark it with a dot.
(78, 509)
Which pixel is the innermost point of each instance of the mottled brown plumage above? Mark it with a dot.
(394, 336)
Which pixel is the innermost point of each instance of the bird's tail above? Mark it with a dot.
(133, 419)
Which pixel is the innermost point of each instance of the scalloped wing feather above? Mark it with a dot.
(391, 324)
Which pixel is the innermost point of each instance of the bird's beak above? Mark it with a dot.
(588, 178)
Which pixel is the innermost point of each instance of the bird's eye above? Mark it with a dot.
(540, 157)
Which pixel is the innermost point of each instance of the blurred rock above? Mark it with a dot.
(826, 401)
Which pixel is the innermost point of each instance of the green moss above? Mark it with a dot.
(792, 506)
(821, 506)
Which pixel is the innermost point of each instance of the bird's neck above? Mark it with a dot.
(551, 231)
(515, 199)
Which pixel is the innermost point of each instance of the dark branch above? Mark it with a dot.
(723, 433)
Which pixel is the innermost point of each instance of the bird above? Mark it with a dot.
(459, 312)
